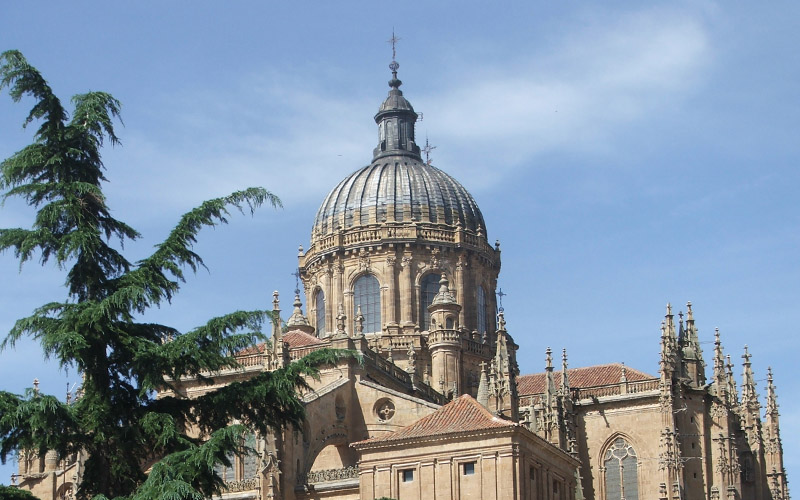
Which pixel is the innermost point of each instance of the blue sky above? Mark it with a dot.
(625, 154)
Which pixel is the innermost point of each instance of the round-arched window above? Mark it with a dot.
(367, 294)
(428, 288)
(319, 304)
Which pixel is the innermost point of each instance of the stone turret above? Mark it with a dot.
(444, 341)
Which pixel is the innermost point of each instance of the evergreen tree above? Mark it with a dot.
(117, 422)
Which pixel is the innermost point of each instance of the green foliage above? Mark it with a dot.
(117, 420)
(13, 493)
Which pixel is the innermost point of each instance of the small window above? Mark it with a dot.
(407, 475)
(469, 468)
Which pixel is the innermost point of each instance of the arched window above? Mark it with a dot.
(319, 304)
(481, 310)
(621, 471)
(428, 288)
(367, 294)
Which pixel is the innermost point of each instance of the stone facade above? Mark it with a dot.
(400, 269)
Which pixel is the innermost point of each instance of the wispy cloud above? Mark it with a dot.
(613, 74)
(299, 138)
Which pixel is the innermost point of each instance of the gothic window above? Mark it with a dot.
(243, 465)
(367, 294)
(319, 304)
(621, 476)
(428, 288)
(481, 310)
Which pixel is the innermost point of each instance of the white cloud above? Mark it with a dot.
(298, 138)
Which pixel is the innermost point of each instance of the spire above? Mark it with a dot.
(444, 296)
(483, 387)
(564, 377)
(772, 398)
(396, 118)
(733, 392)
(297, 318)
(550, 385)
(749, 395)
(720, 382)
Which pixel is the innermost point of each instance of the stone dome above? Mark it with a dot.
(398, 189)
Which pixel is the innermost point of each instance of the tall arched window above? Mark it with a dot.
(481, 310)
(367, 294)
(428, 288)
(319, 304)
(622, 482)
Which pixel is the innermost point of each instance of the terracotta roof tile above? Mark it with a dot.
(301, 339)
(294, 339)
(462, 415)
(589, 376)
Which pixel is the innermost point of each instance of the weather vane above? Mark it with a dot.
(427, 150)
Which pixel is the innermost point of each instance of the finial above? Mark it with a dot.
(394, 82)
(669, 309)
(549, 358)
(36, 386)
(428, 149)
(497, 245)
(746, 356)
(564, 358)
(501, 320)
(340, 319)
(689, 316)
(276, 303)
(500, 296)
(624, 375)
(296, 275)
(300, 250)
(359, 321)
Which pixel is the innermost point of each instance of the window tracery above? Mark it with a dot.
(621, 471)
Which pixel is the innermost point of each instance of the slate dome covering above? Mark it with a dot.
(398, 189)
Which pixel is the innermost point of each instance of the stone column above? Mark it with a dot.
(390, 316)
(405, 289)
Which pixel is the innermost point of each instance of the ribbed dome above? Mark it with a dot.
(398, 189)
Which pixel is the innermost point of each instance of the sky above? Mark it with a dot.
(625, 155)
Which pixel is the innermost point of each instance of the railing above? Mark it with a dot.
(242, 485)
(423, 389)
(600, 391)
(374, 234)
(614, 390)
(327, 475)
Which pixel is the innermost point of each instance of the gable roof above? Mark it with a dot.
(588, 376)
(294, 338)
(464, 414)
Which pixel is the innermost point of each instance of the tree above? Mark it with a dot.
(12, 493)
(117, 422)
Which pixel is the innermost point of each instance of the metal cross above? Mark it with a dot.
(394, 41)
(296, 275)
(500, 294)
(427, 150)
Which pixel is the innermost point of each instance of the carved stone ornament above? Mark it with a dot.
(384, 409)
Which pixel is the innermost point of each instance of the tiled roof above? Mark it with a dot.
(253, 349)
(589, 376)
(462, 415)
(294, 339)
(301, 339)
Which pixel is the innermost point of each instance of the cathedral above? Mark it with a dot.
(400, 269)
